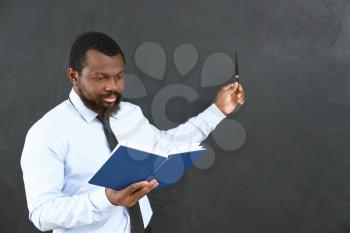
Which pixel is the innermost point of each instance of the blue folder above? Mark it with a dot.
(129, 165)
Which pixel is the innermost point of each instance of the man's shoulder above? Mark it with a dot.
(54, 119)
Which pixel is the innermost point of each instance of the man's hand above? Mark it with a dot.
(229, 97)
(128, 196)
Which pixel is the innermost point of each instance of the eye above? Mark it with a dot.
(120, 76)
(99, 78)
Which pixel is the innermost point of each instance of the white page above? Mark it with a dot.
(185, 148)
(157, 151)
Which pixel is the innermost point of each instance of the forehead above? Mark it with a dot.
(96, 61)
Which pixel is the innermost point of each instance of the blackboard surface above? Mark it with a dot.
(290, 170)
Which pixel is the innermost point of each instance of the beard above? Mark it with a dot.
(96, 103)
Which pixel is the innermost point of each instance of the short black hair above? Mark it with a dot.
(92, 40)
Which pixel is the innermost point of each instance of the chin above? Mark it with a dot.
(109, 105)
(111, 109)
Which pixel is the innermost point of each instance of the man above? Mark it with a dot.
(69, 144)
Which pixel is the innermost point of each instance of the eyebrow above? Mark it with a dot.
(94, 73)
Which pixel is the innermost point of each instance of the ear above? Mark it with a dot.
(73, 76)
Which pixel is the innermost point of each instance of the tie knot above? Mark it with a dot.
(103, 119)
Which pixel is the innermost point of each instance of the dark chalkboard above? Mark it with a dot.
(280, 164)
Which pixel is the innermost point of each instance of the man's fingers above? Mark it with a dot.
(240, 95)
(154, 183)
(131, 194)
(235, 87)
(227, 87)
(234, 98)
(232, 90)
(151, 185)
(133, 188)
(230, 87)
(144, 191)
(136, 186)
(241, 98)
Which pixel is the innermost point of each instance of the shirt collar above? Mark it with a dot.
(78, 104)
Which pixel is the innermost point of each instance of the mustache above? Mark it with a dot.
(114, 93)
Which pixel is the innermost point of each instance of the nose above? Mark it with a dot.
(112, 85)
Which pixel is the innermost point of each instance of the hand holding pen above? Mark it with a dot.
(231, 95)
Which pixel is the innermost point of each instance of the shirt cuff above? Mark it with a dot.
(100, 200)
(213, 115)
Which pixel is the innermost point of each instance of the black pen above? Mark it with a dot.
(236, 70)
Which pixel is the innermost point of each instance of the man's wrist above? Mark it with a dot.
(219, 108)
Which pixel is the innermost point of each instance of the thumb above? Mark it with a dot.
(233, 88)
(227, 87)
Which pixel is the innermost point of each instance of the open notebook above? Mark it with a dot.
(132, 163)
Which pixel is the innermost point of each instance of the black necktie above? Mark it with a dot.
(134, 211)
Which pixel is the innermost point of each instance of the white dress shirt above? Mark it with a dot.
(66, 147)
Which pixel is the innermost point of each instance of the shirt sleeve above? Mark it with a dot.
(194, 130)
(42, 164)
